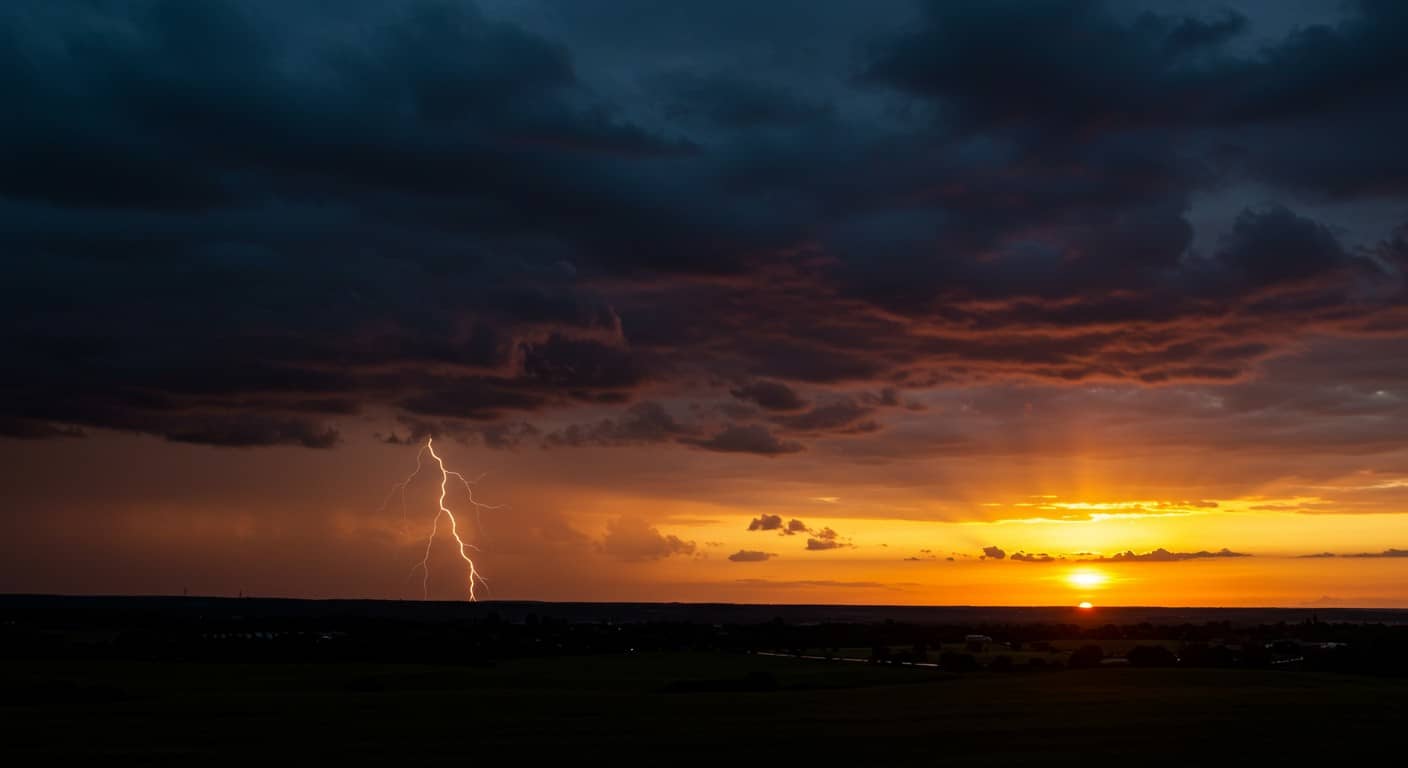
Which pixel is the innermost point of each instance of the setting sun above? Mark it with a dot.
(1086, 605)
(1087, 579)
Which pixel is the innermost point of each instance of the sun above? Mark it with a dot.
(1087, 579)
(1086, 605)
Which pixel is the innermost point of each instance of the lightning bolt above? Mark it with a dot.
(474, 577)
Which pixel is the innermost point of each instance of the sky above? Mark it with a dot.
(1009, 303)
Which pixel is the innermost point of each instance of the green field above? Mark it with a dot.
(681, 708)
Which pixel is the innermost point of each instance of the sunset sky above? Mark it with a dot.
(1013, 303)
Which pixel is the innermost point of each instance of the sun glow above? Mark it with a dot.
(1085, 605)
(1087, 579)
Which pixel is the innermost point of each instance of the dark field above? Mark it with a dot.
(683, 708)
(198, 682)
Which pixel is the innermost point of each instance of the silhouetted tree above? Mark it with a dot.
(1086, 656)
(1151, 656)
(958, 662)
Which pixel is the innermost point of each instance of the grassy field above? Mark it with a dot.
(682, 708)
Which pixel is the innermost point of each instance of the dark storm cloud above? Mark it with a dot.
(845, 416)
(750, 438)
(247, 430)
(770, 395)
(642, 423)
(25, 429)
(243, 224)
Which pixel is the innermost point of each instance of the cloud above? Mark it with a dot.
(842, 417)
(818, 539)
(632, 539)
(641, 424)
(770, 395)
(1385, 553)
(1162, 555)
(750, 556)
(766, 523)
(981, 197)
(827, 583)
(825, 538)
(507, 435)
(35, 430)
(750, 438)
(1159, 555)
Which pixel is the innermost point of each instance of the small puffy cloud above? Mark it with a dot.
(632, 539)
(994, 552)
(821, 538)
(1038, 557)
(750, 556)
(827, 537)
(766, 523)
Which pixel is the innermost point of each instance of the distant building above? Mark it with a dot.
(977, 643)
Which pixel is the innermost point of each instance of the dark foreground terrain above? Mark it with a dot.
(181, 685)
(688, 708)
